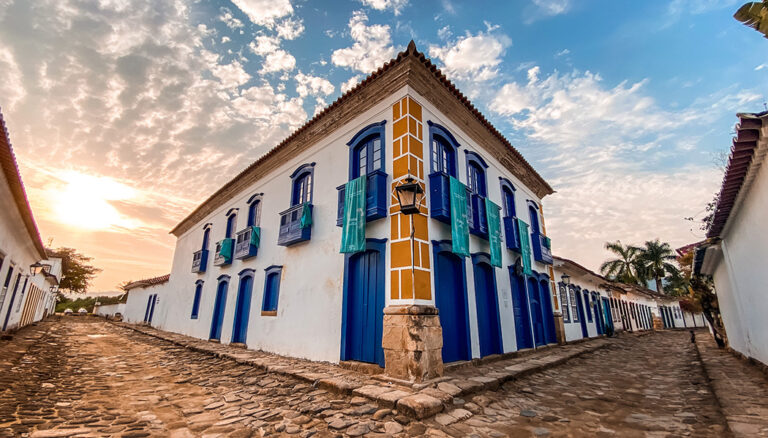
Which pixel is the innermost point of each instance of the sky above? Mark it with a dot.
(125, 115)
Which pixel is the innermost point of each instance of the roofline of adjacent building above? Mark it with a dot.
(154, 281)
(614, 285)
(740, 162)
(13, 176)
(388, 78)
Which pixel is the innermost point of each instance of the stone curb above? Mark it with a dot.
(711, 386)
(421, 404)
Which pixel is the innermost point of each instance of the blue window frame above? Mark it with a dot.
(442, 150)
(231, 223)
(366, 150)
(476, 174)
(564, 304)
(271, 290)
(196, 301)
(302, 181)
(588, 304)
(533, 212)
(507, 198)
(206, 236)
(254, 205)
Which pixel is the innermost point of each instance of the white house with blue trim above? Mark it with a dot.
(259, 263)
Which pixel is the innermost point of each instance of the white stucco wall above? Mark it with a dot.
(18, 252)
(136, 304)
(109, 309)
(740, 275)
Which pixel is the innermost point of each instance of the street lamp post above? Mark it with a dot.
(409, 196)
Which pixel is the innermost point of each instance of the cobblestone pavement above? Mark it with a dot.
(741, 388)
(84, 377)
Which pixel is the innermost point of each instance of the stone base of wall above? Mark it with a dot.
(559, 328)
(413, 341)
(658, 324)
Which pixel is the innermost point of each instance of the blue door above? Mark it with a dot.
(218, 310)
(152, 299)
(10, 304)
(549, 317)
(149, 306)
(451, 302)
(242, 309)
(521, 310)
(488, 323)
(364, 305)
(597, 313)
(537, 316)
(582, 316)
(607, 314)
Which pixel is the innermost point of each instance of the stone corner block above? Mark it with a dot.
(419, 406)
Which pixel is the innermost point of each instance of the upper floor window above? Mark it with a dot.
(206, 236)
(231, 224)
(508, 198)
(254, 210)
(476, 174)
(443, 147)
(533, 212)
(367, 150)
(302, 184)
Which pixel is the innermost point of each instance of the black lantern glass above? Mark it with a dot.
(566, 279)
(34, 268)
(409, 196)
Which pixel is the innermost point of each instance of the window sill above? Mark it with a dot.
(269, 313)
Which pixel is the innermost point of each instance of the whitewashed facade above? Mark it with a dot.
(300, 294)
(147, 302)
(24, 297)
(109, 310)
(736, 251)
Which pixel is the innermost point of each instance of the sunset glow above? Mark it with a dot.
(84, 202)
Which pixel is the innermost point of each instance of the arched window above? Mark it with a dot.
(508, 198)
(271, 290)
(476, 174)
(206, 236)
(196, 300)
(231, 223)
(367, 150)
(442, 147)
(254, 216)
(302, 184)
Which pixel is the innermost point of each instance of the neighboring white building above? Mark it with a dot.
(109, 309)
(144, 299)
(295, 294)
(736, 251)
(26, 295)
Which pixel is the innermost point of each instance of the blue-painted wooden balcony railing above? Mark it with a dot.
(220, 259)
(541, 248)
(199, 261)
(511, 233)
(440, 205)
(376, 194)
(243, 247)
(291, 231)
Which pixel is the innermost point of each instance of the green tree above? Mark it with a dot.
(76, 272)
(754, 15)
(656, 260)
(624, 267)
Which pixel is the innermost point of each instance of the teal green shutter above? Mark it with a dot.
(353, 233)
(255, 236)
(459, 224)
(525, 246)
(494, 231)
(306, 216)
(226, 249)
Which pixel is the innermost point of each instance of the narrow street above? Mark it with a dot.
(85, 377)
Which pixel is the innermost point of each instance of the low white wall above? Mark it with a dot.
(109, 309)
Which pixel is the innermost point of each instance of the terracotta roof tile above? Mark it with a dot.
(147, 282)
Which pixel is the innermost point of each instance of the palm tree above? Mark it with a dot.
(656, 260)
(624, 267)
(754, 15)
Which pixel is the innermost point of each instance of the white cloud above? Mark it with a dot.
(562, 53)
(290, 29)
(231, 75)
(11, 87)
(395, 5)
(761, 66)
(225, 39)
(475, 57)
(307, 85)
(350, 83)
(227, 18)
(372, 47)
(553, 7)
(279, 60)
(264, 12)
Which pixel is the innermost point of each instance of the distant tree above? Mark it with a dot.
(656, 260)
(623, 268)
(754, 15)
(76, 272)
(122, 285)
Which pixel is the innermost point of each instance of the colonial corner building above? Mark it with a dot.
(468, 275)
(28, 280)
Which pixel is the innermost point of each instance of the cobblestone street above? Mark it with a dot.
(85, 377)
